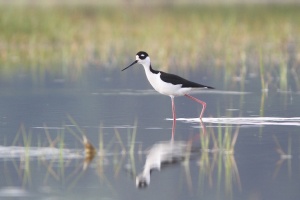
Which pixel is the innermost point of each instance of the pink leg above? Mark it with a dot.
(174, 117)
(201, 102)
(203, 127)
(191, 140)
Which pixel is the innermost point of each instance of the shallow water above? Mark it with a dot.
(42, 156)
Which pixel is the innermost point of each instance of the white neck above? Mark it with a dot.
(146, 63)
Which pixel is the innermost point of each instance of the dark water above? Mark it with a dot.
(42, 156)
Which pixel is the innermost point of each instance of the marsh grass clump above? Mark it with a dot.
(221, 162)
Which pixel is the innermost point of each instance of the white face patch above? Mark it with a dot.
(137, 57)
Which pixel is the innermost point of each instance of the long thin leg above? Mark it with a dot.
(174, 117)
(198, 101)
(202, 127)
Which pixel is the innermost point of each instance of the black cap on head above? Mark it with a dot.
(142, 55)
(141, 181)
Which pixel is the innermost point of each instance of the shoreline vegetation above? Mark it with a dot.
(72, 37)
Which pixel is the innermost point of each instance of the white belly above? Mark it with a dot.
(165, 88)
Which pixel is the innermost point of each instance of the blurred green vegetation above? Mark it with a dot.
(67, 38)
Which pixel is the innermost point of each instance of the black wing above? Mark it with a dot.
(176, 80)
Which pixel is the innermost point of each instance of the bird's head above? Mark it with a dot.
(142, 180)
(142, 58)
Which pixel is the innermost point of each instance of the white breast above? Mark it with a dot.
(163, 87)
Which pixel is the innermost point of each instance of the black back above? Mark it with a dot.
(176, 80)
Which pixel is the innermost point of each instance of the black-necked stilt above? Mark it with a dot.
(161, 153)
(168, 84)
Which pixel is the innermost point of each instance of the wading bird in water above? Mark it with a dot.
(169, 84)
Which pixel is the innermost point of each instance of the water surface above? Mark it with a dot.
(249, 148)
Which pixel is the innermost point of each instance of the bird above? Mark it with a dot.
(161, 154)
(168, 84)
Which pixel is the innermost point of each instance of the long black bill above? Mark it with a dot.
(130, 65)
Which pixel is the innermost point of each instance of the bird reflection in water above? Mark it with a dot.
(161, 153)
(164, 153)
